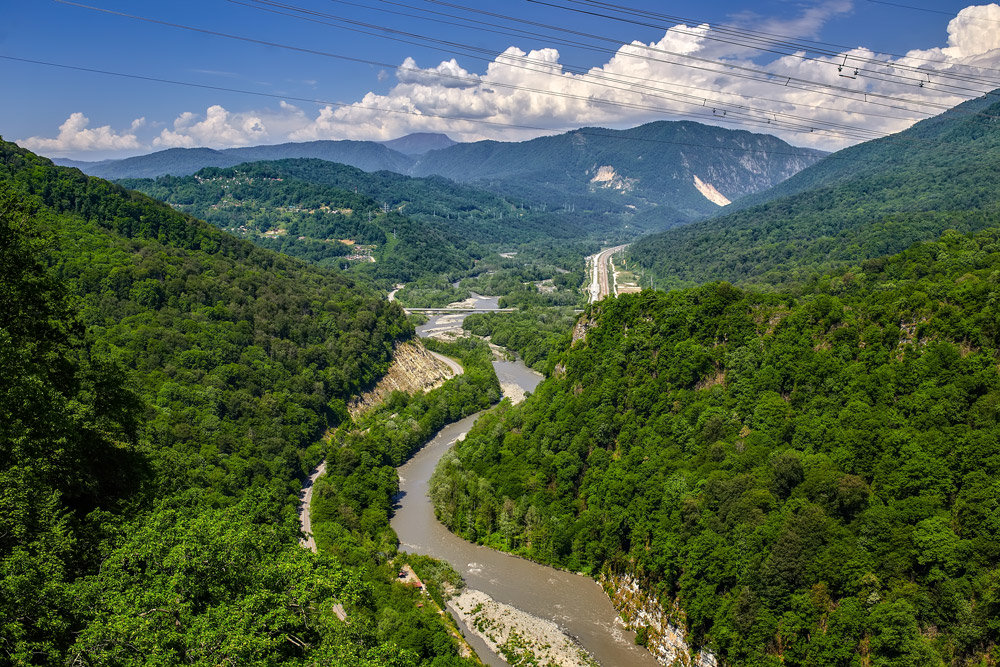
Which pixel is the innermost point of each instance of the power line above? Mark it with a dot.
(811, 127)
(772, 38)
(780, 80)
(520, 32)
(474, 121)
(925, 9)
(718, 117)
(744, 72)
(545, 67)
(913, 81)
(858, 96)
(700, 101)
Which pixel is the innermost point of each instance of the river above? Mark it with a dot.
(577, 604)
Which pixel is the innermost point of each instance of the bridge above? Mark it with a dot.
(444, 311)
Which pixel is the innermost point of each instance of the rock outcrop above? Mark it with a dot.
(413, 369)
(642, 611)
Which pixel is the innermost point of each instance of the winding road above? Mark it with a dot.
(455, 367)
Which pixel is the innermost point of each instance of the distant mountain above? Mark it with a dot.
(665, 173)
(419, 143)
(366, 155)
(685, 166)
(337, 215)
(867, 201)
(78, 164)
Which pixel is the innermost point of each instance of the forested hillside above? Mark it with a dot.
(866, 201)
(309, 219)
(325, 201)
(651, 168)
(811, 478)
(163, 389)
(367, 155)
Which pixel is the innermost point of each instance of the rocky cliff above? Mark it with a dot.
(413, 369)
(645, 614)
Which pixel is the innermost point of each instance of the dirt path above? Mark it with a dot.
(306, 505)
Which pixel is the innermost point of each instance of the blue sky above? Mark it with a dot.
(106, 116)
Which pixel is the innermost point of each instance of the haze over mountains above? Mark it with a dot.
(683, 170)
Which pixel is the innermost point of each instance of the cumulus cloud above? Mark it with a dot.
(685, 74)
(449, 74)
(217, 128)
(525, 94)
(75, 136)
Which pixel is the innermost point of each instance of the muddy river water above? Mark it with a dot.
(576, 603)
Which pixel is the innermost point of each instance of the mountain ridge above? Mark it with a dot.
(651, 170)
(866, 201)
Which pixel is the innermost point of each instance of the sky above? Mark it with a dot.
(99, 79)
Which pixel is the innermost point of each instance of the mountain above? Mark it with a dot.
(419, 143)
(367, 155)
(170, 161)
(164, 388)
(684, 168)
(464, 212)
(800, 480)
(655, 175)
(267, 203)
(866, 201)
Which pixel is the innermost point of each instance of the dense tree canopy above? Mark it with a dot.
(813, 477)
(163, 391)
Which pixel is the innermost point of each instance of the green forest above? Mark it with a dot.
(810, 475)
(165, 388)
(796, 449)
(386, 228)
(870, 200)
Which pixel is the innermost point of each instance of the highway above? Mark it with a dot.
(600, 282)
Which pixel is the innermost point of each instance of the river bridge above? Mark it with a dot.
(446, 310)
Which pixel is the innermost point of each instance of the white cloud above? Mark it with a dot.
(974, 32)
(449, 74)
(673, 78)
(217, 128)
(525, 94)
(75, 136)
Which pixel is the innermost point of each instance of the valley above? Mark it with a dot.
(414, 403)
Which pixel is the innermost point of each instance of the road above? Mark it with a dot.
(455, 367)
(306, 506)
(600, 283)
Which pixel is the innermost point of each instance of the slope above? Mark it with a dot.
(268, 204)
(164, 387)
(867, 201)
(419, 143)
(367, 155)
(653, 165)
(804, 481)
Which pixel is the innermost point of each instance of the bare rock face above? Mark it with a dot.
(413, 369)
(582, 326)
(665, 634)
